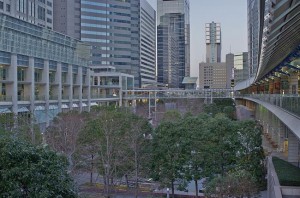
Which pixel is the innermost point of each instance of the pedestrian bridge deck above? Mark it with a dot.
(170, 93)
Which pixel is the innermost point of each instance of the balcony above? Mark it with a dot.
(53, 97)
(65, 97)
(76, 97)
(39, 97)
(23, 98)
(5, 98)
(287, 102)
(104, 96)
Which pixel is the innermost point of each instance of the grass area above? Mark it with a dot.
(288, 174)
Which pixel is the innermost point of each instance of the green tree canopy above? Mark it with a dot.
(29, 171)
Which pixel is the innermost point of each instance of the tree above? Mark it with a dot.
(250, 153)
(106, 131)
(221, 145)
(171, 116)
(238, 184)
(229, 111)
(63, 133)
(169, 153)
(137, 137)
(193, 171)
(20, 126)
(29, 171)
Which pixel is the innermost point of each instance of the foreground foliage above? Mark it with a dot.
(29, 171)
(211, 146)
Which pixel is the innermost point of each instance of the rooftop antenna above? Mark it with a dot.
(230, 49)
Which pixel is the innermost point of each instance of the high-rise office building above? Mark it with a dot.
(173, 42)
(241, 68)
(230, 70)
(148, 44)
(213, 42)
(33, 11)
(115, 30)
(253, 34)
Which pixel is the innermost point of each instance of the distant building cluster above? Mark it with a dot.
(215, 74)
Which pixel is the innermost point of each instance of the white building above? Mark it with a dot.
(36, 12)
(43, 73)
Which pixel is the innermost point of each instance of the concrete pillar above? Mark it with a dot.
(59, 81)
(293, 81)
(88, 81)
(12, 89)
(293, 149)
(120, 91)
(79, 80)
(30, 76)
(46, 89)
(282, 135)
(276, 85)
(271, 86)
(70, 82)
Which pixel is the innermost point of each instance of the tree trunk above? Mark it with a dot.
(173, 194)
(91, 179)
(136, 171)
(126, 178)
(196, 185)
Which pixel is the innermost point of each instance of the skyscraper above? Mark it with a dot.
(253, 34)
(173, 42)
(114, 29)
(148, 44)
(33, 11)
(213, 42)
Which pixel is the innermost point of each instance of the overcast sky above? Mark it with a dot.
(232, 14)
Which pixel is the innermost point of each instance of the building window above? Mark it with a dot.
(41, 13)
(7, 8)
(49, 20)
(1, 5)
(49, 4)
(21, 74)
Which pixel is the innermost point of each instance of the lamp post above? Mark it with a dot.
(168, 193)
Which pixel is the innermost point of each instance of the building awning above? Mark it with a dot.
(75, 105)
(39, 108)
(93, 104)
(5, 110)
(190, 80)
(64, 106)
(23, 109)
(53, 107)
(84, 105)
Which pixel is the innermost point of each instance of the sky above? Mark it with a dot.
(232, 14)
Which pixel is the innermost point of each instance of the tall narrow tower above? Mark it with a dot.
(213, 42)
(173, 42)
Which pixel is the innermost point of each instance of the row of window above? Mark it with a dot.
(7, 7)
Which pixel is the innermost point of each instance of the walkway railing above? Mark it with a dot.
(290, 103)
(170, 93)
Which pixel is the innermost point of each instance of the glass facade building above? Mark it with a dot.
(253, 35)
(173, 42)
(113, 29)
(148, 44)
(241, 68)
